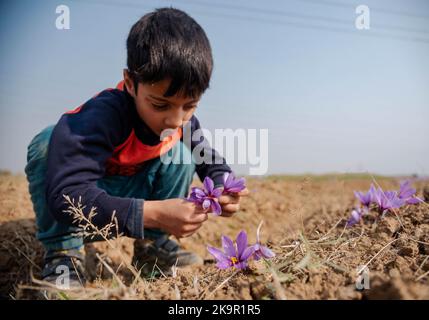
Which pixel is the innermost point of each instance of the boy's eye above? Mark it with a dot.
(160, 107)
(163, 107)
(189, 107)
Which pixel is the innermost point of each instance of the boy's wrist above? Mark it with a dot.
(151, 211)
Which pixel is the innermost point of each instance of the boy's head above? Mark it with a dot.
(169, 67)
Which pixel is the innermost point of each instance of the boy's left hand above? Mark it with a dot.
(230, 203)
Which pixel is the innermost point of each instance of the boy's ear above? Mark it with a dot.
(129, 83)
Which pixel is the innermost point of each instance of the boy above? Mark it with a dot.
(108, 152)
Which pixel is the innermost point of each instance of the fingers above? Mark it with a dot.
(244, 192)
(200, 210)
(198, 218)
(185, 235)
(229, 198)
(233, 197)
(189, 229)
(197, 215)
(230, 208)
(227, 214)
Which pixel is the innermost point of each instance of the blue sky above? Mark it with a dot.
(334, 98)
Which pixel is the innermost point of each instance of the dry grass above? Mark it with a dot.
(316, 256)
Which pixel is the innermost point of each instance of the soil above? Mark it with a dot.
(317, 257)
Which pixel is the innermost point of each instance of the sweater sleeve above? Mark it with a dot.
(80, 145)
(214, 165)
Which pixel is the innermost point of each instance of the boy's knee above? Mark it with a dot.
(38, 147)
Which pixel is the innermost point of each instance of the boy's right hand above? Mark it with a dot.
(178, 217)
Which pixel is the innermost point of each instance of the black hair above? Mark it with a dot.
(169, 43)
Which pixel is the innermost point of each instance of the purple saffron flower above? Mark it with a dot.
(366, 198)
(387, 200)
(233, 255)
(207, 197)
(356, 216)
(232, 184)
(260, 250)
(407, 193)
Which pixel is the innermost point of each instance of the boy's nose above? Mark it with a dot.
(174, 123)
(175, 120)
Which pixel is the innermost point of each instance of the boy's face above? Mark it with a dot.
(157, 111)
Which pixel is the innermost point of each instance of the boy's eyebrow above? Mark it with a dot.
(165, 100)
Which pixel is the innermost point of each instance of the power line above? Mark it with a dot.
(299, 15)
(382, 10)
(320, 27)
(278, 22)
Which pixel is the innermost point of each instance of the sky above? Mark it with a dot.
(333, 98)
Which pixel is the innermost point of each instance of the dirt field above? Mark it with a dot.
(304, 224)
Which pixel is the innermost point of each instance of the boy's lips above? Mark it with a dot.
(168, 131)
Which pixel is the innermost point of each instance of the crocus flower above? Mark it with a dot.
(366, 198)
(207, 197)
(260, 250)
(233, 255)
(407, 193)
(355, 217)
(387, 200)
(232, 184)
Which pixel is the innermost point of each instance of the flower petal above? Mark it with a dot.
(235, 189)
(198, 192)
(241, 265)
(236, 186)
(194, 199)
(218, 254)
(224, 264)
(257, 255)
(228, 246)
(215, 208)
(405, 189)
(379, 197)
(208, 185)
(216, 193)
(241, 242)
(405, 194)
(355, 217)
(372, 192)
(231, 184)
(206, 204)
(247, 253)
(227, 178)
(239, 182)
(414, 201)
(267, 253)
(358, 195)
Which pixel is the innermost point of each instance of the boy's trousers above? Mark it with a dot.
(155, 181)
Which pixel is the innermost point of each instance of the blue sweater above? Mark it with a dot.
(83, 143)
